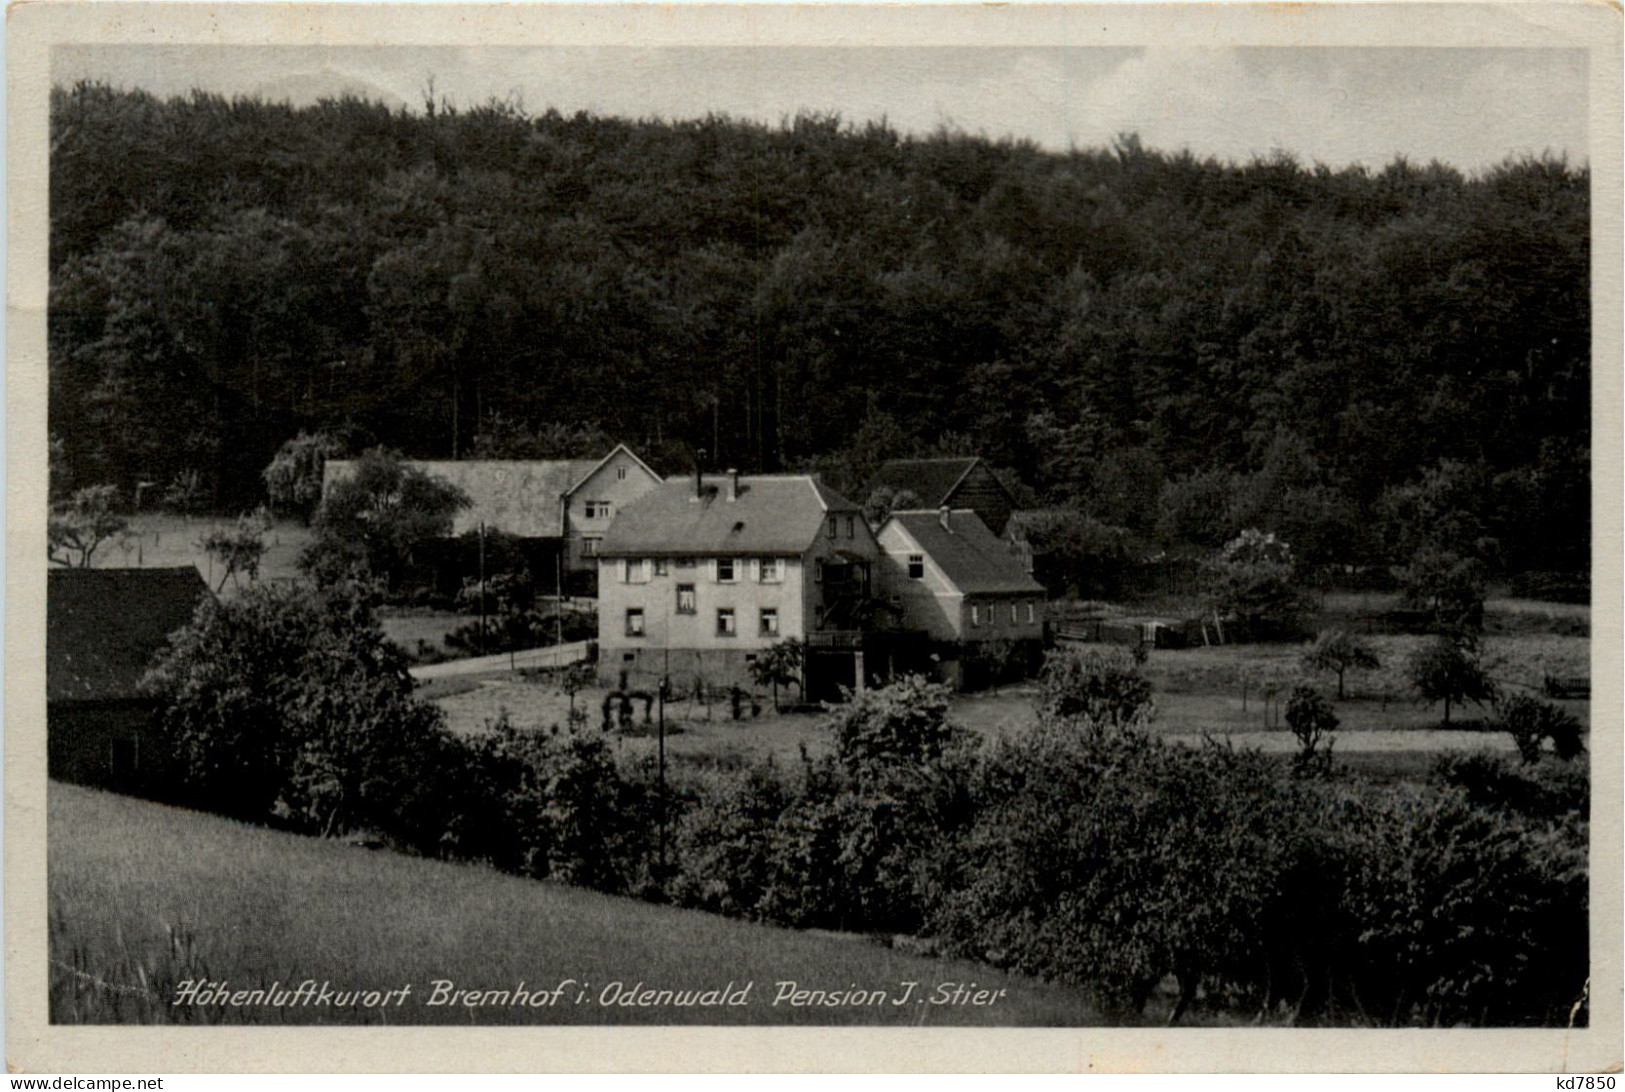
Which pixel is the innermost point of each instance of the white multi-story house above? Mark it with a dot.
(959, 583)
(702, 574)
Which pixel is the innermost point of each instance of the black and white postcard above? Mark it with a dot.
(814, 537)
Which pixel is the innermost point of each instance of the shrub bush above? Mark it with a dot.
(1312, 721)
(288, 703)
(725, 844)
(1530, 721)
(1109, 860)
(1465, 915)
(1548, 790)
(1101, 857)
(1093, 689)
(850, 842)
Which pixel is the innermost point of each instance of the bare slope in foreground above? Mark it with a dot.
(144, 897)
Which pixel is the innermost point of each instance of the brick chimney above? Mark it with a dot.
(942, 518)
(733, 485)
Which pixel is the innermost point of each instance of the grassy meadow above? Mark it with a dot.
(144, 897)
(1196, 690)
(163, 540)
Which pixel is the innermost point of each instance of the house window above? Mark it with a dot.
(1031, 614)
(834, 526)
(635, 570)
(851, 523)
(589, 545)
(685, 599)
(726, 626)
(634, 621)
(596, 509)
(1012, 614)
(770, 573)
(818, 571)
(660, 566)
(976, 616)
(916, 566)
(770, 622)
(620, 473)
(725, 570)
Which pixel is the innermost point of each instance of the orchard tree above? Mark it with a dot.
(1447, 583)
(239, 548)
(1339, 651)
(779, 665)
(992, 660)
(80, 525)
(185, 494)
(1448, 669)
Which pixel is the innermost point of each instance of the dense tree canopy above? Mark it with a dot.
(1107, 323)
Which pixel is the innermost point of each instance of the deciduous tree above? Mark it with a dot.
(239, 548)
(294, 477)
(1339, 651)
(1448, 669)
(779, 664)
(381, 515)
(80, 525)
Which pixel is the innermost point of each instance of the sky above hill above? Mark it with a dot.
(1468, 107)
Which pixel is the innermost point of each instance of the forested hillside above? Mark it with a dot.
(1175, 346)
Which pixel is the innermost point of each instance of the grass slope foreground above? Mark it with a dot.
(150, 906)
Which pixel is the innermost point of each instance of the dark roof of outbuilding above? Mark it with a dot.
(930, 480)
(968, 553)
(774, 514)
(103, 627)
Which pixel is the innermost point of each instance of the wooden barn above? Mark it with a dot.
(960, 482)
(103, 629)
(557, 511)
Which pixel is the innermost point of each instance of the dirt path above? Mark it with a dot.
(551, 656)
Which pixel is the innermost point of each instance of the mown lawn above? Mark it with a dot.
(696, 735)
(1196, 690)
(159, 540)
(143, 897)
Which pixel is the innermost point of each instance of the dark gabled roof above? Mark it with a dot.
(774, 514)
(103, 627)
(594, 468)
(968, 554)
(932, 481)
